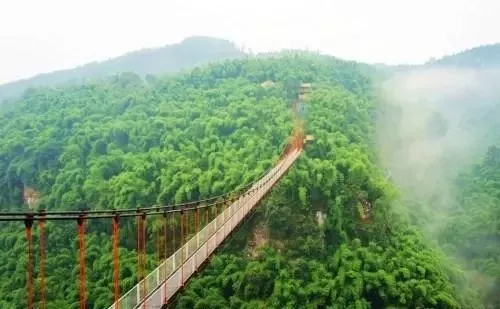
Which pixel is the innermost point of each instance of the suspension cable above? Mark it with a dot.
(28, 222)
(41, 226)
(106, 213)
(197, 220)
(173, 236)
(116, 260)
(182, 248)
(206, 224)
(140, 249)
(151, 211)
(81, 248)
(165, 253)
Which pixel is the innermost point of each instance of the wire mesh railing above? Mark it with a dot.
(159, 286)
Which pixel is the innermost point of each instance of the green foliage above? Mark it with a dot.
(123, 143)
(166, 146)
(348, 261)
(472, 231)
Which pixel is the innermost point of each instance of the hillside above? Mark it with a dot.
(402, 172)
(121, 142)
(363, 256)
(190, 52)
(438, 139)
(486, 56)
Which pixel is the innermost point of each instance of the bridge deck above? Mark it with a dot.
(168, 278)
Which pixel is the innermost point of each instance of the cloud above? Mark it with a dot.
(433, 123)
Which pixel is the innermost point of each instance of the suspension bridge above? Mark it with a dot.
(203, 225)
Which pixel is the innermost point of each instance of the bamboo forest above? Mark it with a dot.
(395, 203)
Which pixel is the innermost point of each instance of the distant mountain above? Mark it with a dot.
(190, 52)
(478, 57)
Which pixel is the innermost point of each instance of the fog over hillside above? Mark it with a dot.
(434, 125)
(434, 121)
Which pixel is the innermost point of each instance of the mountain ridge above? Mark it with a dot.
(190, 52)
(198, 50)
(476, 57)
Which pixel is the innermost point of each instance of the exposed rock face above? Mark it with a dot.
(260, 237)
(30, 197)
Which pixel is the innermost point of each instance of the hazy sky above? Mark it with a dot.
(38, 36)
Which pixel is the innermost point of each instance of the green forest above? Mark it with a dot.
(125, 142)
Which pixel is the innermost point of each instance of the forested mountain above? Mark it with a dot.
(189, 53)
(362, 256)
(472, 232)
(486, 56)
(122, 142)
(438, 138)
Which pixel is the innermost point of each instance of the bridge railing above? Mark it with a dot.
(171, 275)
